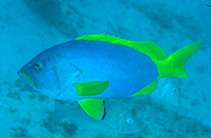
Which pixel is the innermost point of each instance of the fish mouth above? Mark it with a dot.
(26, 77)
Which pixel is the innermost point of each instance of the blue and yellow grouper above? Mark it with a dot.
(94, 67)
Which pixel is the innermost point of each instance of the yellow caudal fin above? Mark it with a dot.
(174, 65)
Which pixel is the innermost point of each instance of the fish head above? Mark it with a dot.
(49, 75)
(39, 74)
(125, 124)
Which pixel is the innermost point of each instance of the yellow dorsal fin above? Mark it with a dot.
(148, 48)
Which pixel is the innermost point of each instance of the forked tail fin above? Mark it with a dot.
(174, 65)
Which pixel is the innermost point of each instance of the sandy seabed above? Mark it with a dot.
(177, 108)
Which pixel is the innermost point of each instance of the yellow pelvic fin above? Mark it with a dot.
(174, 65)
(94, 108)
(91, 88)
(147, 90)
(148, 48)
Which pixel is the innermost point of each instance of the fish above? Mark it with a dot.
(120, 118)
(92, 68)
(168, 94)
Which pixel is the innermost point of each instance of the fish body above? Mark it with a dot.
(75, 62)
(94, 67)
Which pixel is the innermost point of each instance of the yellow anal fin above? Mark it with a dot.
(147, 90)
(154, 51)
(91, 88)
(94, 108)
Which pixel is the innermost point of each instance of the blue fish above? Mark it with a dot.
(94, 67)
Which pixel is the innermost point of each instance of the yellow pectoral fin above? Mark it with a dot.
(91, 88)
(147, 90)
(94, 108)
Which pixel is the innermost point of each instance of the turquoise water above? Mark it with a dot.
(177, 108)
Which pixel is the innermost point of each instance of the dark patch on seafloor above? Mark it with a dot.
(65, 128)
(168, 123)
(21, 131)
(162, 18)
(52, 13)
(68, 19)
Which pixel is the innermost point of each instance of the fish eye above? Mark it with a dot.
(38, 65)
(174, 90)
(130, 121)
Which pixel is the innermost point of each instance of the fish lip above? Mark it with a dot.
(20, 73)
(22, 76)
